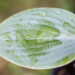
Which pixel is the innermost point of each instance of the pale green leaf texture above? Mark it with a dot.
(40, 38)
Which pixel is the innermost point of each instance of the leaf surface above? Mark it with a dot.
(40, 38)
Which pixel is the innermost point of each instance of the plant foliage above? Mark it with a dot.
(40, 38)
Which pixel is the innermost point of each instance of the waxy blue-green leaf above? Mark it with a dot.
(40, 38)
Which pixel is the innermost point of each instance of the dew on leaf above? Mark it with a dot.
(43, 14)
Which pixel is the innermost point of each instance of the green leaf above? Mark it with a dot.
(40, 38)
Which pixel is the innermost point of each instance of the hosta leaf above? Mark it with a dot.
(39, 38)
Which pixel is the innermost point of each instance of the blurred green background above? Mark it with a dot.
(10, 7)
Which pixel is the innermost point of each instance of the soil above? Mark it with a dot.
(66, 70)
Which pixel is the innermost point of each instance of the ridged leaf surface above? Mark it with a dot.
(39, 38)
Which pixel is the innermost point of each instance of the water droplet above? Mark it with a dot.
(58, 11)
(20, 19)
(69, 57)
(61, 61)
(42, 14)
